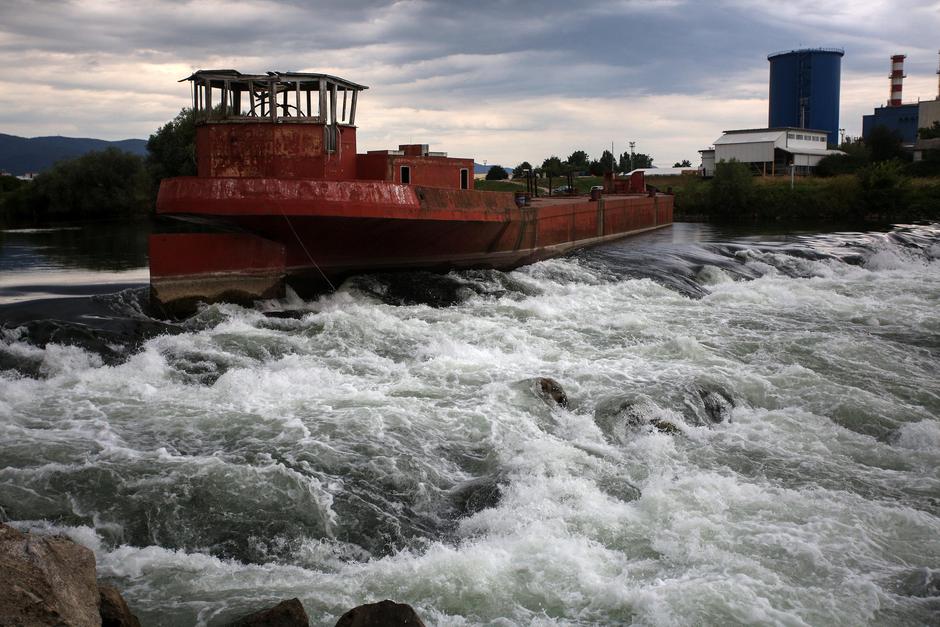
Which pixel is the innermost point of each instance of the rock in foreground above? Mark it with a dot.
(46, 581)
(383, 614)
(114, 610)
(288, 613)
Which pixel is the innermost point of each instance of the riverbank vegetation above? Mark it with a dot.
(872, 181)
(107, 184)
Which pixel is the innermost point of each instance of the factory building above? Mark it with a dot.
(769, 151)
(804, 90)
(898, 117)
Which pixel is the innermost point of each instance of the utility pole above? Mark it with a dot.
(632, 146)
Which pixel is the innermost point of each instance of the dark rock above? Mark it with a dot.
(665, 426)
(476, 495)
(718, 404)
(114, 610)
(551, 390)
(621, 418)
(47, 580)
(383, 614)
(288, 613)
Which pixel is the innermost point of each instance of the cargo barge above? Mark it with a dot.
(293, 203)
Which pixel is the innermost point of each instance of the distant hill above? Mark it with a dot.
(19, 155)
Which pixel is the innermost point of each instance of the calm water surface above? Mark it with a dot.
(387, 440)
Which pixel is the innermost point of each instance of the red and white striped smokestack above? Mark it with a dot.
(897, 78)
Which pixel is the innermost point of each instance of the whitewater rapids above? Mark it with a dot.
(328, 449)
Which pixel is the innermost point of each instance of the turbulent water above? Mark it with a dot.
(389, 440)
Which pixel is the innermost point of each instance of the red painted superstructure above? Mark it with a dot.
(308, 210)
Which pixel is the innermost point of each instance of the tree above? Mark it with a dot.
(579, 161)
(521, 170)
(628, 161)
(171, 151)
(884, 144)
(732, 190)
(552, 167)
(607, 161)
(106, 184)
(685, 163)
(930, 132)
(497, 173)
(856, 155)
(884, 187)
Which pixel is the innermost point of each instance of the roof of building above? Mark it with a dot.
(776, 129)
(218, 78)
(812, 151)
(663, 171)
(838, 51)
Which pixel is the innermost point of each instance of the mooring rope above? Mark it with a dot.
(309, 256)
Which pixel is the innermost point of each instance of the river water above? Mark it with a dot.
(751, 435)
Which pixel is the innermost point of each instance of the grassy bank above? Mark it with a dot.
(880, 193)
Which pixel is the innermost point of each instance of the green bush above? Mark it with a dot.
(732, 191)
(105, 184)
(884, 189)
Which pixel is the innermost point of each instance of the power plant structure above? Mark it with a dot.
(804, 90)
(903, 119)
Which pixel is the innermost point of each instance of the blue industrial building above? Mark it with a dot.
(901, 119)
(804, 90)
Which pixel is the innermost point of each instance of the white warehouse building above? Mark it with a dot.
(769, 151)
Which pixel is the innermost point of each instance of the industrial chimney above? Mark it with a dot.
(897, 78)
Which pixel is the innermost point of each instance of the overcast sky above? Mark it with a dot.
(501, 81)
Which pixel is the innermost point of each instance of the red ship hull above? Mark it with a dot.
(314, 232)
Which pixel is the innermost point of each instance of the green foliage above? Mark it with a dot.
(732, 190)
(857, 155)
(171, 151)
(685, 163)
(884, 188)
(521, 170)
(498, 186)
(497, 173)
(930, 132)
(109, 183)
(10, 183)
(884, 144)
(628, 162)
(579, 161)
(553, 167)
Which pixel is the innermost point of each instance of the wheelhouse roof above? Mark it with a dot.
(218, 78)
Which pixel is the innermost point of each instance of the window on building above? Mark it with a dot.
(464, 178)
(406, 175)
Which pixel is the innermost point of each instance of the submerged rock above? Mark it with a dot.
(476, 495)
(382, 614)
(551, 391)
(114, 610)
(619, 418)
(718, 404)
(46, 581)
(289, 613)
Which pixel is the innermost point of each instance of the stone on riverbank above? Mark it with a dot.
(382, 614)
(114, 610)
(47, 580)
(289, 613)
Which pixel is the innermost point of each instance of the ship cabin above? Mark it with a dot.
(298, 125)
